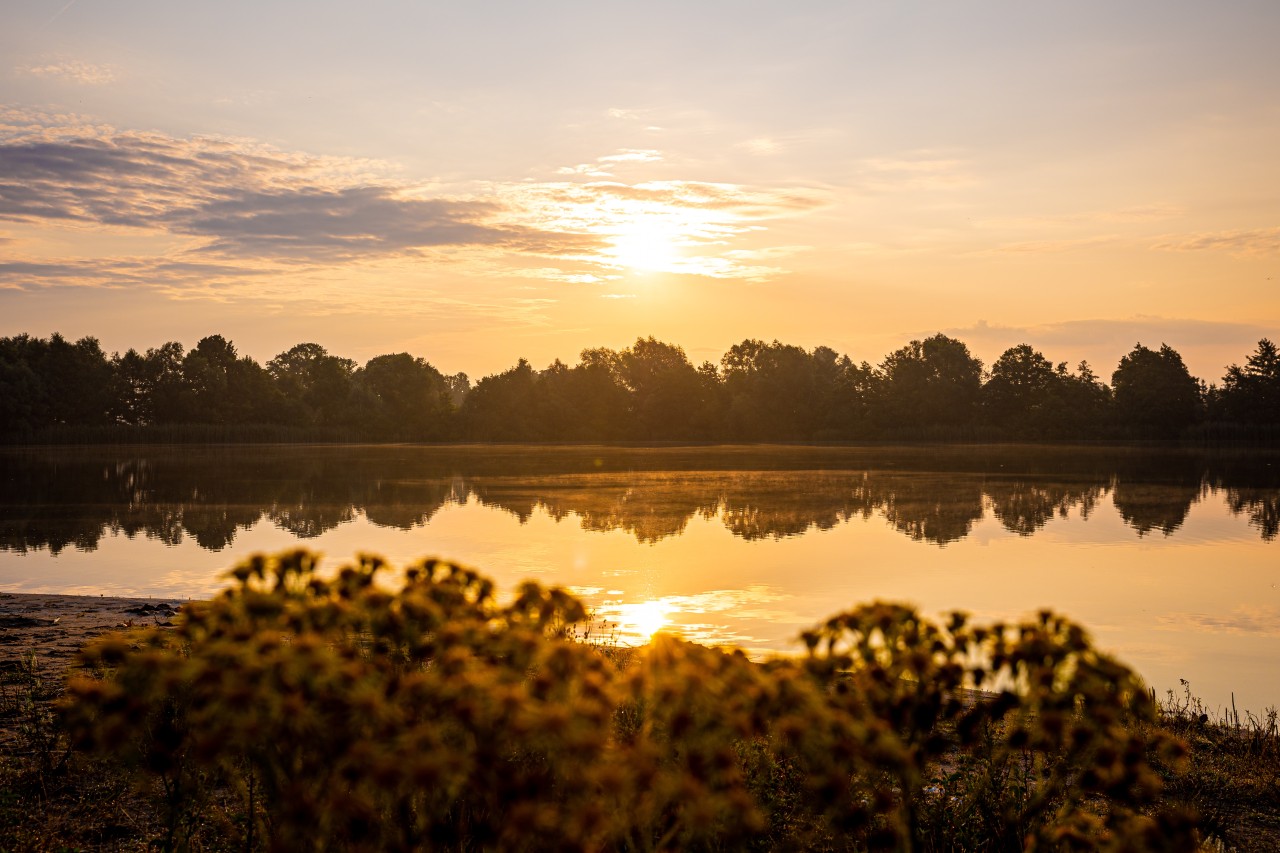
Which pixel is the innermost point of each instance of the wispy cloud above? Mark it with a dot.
(604, 167)
(1124, 332)
(1207, 346)
(1253, 241)
(1044, 247)
(760, 146)
(71, 71)
(172, 276)
(243, 199)
(1260, 621)
(239, 205)
(916, 171)
(633, 155)
(1122, 215)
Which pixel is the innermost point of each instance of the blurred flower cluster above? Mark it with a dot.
(336, 712)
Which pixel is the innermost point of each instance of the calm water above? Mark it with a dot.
(1169, 557)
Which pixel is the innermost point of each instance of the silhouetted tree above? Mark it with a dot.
(650, 391)
(318, 385)
(772, 390)
(666, 390)
(843, 395)
(503, 407)
(1251, 394)
(1155, 395)
(221, 387)
(1085, 410)
(164, 384)
(587, 402)
(459, 386)
(930, 384)
(1028, 397)
(411, 399)
(1020, 394)
(19, 388)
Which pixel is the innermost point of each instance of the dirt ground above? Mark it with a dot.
(54, 627)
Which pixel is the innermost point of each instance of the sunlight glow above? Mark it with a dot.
(646, 244)
(644, 619)
(683, 228)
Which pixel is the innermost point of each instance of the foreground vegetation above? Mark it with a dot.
(299, 712)
(933, 389)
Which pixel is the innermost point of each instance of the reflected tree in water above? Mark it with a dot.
(1024, 507)
(915, 506)
(65, 499)
(1155, 506)
(1262, 506)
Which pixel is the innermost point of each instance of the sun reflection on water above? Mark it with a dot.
(643, 620)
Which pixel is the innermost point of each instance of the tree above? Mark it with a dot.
(587, 402)
(411, 398)
(1085, 405)
(1027, 396)
(205, 372)
(319, 385)
(19, 388)
(1155, 395)
(929, 384)
(165, 385)
(1251, 394)
(666, 390)
(74, 381)
(780, 392)
(502, 407)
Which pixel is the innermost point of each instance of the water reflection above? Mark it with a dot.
(54, 500)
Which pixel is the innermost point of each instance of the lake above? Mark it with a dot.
(1168, 556)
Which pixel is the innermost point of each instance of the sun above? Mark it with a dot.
(645, 244)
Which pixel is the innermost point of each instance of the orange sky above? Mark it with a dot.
(476, 183)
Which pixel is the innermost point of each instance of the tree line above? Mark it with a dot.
(772, 392)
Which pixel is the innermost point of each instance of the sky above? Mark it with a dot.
(480, 182)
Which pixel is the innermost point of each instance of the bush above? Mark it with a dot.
(297, 712)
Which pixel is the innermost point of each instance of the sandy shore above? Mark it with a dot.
(54, 627)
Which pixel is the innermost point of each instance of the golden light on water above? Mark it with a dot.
(643, 620)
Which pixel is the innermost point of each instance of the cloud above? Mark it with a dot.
(1125, 332)
(173, 276)
(633, 155)
(760, 146)
(1125, 215)
(600, 168)
(245, 201)
(1255, 241)
(557, 274)
(916, 171)
(71, 71)
(319, 224)
(242, 207)
(1206, 346)
(1261, 621)
(1043, 247)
